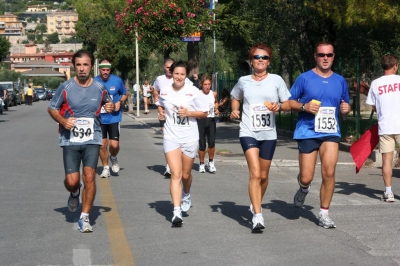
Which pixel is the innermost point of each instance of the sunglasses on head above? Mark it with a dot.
(323, 55)
(263, 57)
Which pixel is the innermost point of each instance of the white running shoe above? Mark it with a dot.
(114, 165)
(258, 224)
(186, 202)
(325, 221)
(202, 168)
(167, 171)
(177, 218)
(211, 167)
(105, 173)
(84, 225)
(388, 197)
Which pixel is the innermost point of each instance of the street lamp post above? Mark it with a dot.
(75, 43)
(212, 7)
(137, 75)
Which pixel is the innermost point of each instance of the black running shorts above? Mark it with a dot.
(111, 131)
(207, 130)
(75, 154)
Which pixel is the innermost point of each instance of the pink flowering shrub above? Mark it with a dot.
(163, 22)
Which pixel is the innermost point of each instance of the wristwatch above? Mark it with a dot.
(302, 108)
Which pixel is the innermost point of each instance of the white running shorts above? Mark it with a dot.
(189, 149)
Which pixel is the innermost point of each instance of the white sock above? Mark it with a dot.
(307, 189)
(184, 194)
(106, 167)
(388, 189)
(177, 208)
(84, 214)
(323, 211)
(258, 215)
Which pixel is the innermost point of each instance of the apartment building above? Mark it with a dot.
(62, 22)
(11, 26)
(37, 8)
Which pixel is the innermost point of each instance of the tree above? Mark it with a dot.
(73, 39)
(41, 28)
(53, 38)
(5, 46)
(10, 75)
(160, 25)
(98, 29)
(31, 37)
(292, 28)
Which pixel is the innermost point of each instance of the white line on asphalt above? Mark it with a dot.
(81, 257)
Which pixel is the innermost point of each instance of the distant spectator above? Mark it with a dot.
(224, 102)
(26, 94)
(30, 94)
(196, 80)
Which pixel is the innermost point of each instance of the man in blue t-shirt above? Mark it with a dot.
(76, 108)
(319, 95)
(110, 122)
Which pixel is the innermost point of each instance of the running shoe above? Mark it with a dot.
(300, 196)
(177, 218)
(84, 225)
(388, 197)
(258, 224)
(114, 165)
(167, 171)
(105, 173)
(73, 202)
(252, 209)
(186, 202)
(202, 168)
(211, 167)
(325, 221)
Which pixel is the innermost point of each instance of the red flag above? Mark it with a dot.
(363, 147)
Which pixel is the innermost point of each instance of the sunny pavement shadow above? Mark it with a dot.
(158, 169)
(238, 213)
(290, 212)
(347, 188)
(165, 208)
(73, 217)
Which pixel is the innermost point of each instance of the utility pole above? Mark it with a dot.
(212, 7)
(214, 76)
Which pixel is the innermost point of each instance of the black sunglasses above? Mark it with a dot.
(263, 57)
(323, 55)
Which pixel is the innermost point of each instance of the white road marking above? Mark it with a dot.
(81, 257)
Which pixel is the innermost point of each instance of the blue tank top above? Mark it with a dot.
(116, 88)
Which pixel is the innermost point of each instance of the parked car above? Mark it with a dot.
(50, 94)
(40, 94)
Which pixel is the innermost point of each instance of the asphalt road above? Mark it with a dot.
(132, 211)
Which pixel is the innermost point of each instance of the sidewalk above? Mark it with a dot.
(227, 146)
